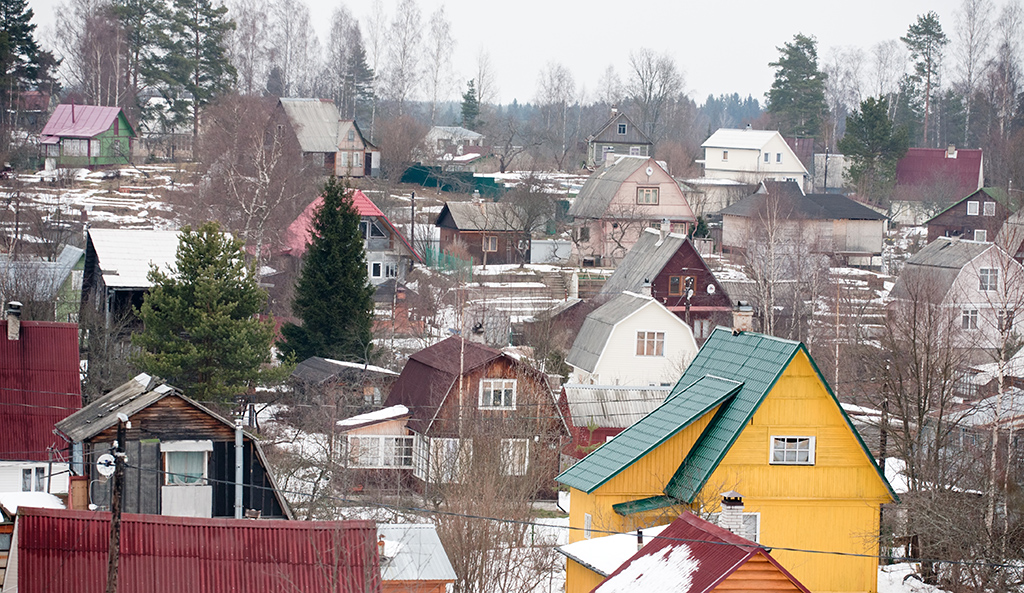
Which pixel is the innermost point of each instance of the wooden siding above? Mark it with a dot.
(473, 243)
(580, 579)
(172, 419)
(832, 505)
(955, 222)
(756, 575)
(414, 586)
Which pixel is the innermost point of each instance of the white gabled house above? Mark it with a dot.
(751, 156)
(631, 340)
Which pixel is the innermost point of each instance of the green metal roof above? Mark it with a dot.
(752, 364)
(638, 440)
(643, 505)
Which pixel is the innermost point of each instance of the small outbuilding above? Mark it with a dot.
(86, 136)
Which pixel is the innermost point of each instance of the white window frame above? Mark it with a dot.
(980, 235)
(969, 319)
(343, 159)
(515, 457)
(376, 269)
(788, 440)
(988, 279)
(972, 208)
(621, 129)
(647, 338)
(489, 385)
(648, 196)
(767, 158)
(778, 157)
(171, 447)
(634, 151)
(988, 209)
(380, 451)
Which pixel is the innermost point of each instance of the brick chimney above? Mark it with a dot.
(732, 512)
(14, 320)
(743, 317)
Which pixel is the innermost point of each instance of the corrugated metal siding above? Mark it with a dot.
(67, 552)
(612, 406)
(39, 385)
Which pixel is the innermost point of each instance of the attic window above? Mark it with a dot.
(677, 284)
(647, 196)
(778, 157)
(787, 450)
(622, 129)
(725, 155)
(185, 462)
(497, 393)
(650, 343)
(972, 208)
(351, 135)
(989, 209)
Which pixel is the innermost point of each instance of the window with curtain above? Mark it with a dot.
(185, 468)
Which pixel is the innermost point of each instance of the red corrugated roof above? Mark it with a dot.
(928, 166)
(39, 386)
(66, 552)
(717, 554)
(79, 121)
(299, 232)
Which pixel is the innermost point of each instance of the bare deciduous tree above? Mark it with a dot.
(973, 33)
(249, 45)
(440, 47)
(404, 38)
(559, 124)
(654, 81)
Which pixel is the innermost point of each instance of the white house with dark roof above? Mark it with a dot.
(751, 156)
(631, 340)
(620, 200)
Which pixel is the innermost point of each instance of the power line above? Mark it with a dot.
(421, 510)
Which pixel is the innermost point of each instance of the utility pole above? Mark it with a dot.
(114, 550)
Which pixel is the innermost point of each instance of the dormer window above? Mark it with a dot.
(622, 129)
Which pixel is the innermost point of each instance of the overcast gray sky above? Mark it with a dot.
(721, 47)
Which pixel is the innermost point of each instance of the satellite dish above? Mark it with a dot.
(711, 289)
(650, 171)
(105, 465)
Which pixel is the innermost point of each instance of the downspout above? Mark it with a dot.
(239, 486)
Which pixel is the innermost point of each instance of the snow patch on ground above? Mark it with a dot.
(897, 579)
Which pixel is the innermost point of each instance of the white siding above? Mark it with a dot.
(619, 363)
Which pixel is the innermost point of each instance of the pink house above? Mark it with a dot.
(620, 200)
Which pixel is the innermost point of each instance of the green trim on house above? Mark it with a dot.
(652, 503)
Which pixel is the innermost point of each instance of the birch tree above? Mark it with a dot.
(973, 32)
(440, 47)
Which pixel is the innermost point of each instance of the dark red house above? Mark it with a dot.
(60, 551)
(491, 232)
(475, 408)
(671, 266)
(977, 217)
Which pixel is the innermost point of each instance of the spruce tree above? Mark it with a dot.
(22, 62)
(873, 145)
(200, 327)
(333, 296)
(470, 107)
(796, 100)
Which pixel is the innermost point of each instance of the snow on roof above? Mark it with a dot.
(10, 501)
(360, 366)
(740, 139)
(389, 413)
(125, 255)
(670, 570)
(606, 554)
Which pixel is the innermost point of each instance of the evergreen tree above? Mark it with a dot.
(143, 22)
(873, 146)
(470, 107)
(200, 327)
(333, 296)
(925, 40)
(23, 63)
(359, 79)
(796, 100)
(195, 66)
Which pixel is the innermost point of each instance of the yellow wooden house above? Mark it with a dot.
(751, 414)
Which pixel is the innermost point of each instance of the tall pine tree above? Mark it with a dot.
(201, 331)
(333, 296)
(925, 40)
(873, 146)
(796, 100)
(22, 63)
(195, 66)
